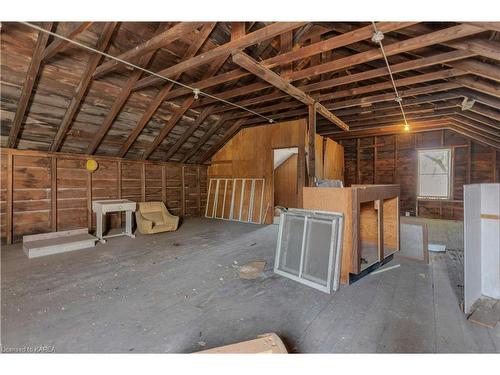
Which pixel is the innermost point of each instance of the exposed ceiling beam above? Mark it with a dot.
(189, 131)
(315, 48)
(486, 48)
(274, 79)
(332, 43)
(58, 44)
(255, 37)
(365, 102)
(486, 87)
(213, 129)
(238, 30)
(118, 104)
(407, 45)
(164, 131)
(478, 68)
(418, 126)
(160, 96)
(485, 99)
(29, 82)
(163, 39)
(437, 124)
(493, 26)
(120, 100)
(82, 87)
(339, 81)
(180, 112)
(486, 111)
(227, 135)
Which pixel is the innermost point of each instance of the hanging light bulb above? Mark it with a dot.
(406, 127)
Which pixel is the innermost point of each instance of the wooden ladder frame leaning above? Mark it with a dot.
(213, 199)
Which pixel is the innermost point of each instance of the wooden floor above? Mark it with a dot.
(180, 292)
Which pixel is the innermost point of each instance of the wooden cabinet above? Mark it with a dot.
(371, 222)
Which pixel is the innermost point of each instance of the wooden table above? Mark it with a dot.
(102, 207)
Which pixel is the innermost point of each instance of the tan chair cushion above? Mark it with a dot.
(155, 217)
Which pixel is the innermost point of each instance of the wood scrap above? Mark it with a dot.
(252, 270)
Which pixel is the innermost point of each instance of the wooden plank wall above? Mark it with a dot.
(392, 159)
(43, 192)
(250, 154)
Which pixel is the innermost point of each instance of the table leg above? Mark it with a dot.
(99, 229)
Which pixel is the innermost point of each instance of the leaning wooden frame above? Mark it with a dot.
(304, 251)
(220, 185)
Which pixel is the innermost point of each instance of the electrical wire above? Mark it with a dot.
(195, 91)
(377, 37)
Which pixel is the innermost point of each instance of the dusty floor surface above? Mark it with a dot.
(180, 292)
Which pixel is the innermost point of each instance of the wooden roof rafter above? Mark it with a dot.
(57, 45)
(82, 87)
(160, 96)
(162, 39)
(264, 33)
(436, 66)
(28, 84)
(268, 75)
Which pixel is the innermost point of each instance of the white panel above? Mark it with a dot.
(490, 240)
(472, 242)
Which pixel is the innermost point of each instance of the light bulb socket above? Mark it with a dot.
(196, 93)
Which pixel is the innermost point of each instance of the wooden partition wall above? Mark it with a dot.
(45, 192)
(392, 159)
(249, 154)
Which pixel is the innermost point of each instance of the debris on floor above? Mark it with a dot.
(437, 248)
(486, 313)
(252, 270)
(386, 269)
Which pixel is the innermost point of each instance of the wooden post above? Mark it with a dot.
(312, 144)
(198, 182)
(119, 187)
(183, 203)
(494, 164)
(469, 162)
(375, 160)
(53, 194)
(164, 183)
(358, 172)
(379, 206)
(396, 158)
(10, 184)
(119, 178)
(143, 182)
(89, 201)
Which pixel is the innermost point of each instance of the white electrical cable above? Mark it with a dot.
(377, 38)
(195, 91)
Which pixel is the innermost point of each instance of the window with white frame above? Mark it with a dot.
(434, 173)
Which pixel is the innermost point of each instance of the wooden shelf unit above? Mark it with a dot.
(371, 216)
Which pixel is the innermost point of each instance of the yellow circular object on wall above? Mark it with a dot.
(91, 165)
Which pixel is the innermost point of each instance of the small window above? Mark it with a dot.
(434, 173)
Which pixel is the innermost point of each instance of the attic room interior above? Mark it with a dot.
(250, 187)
